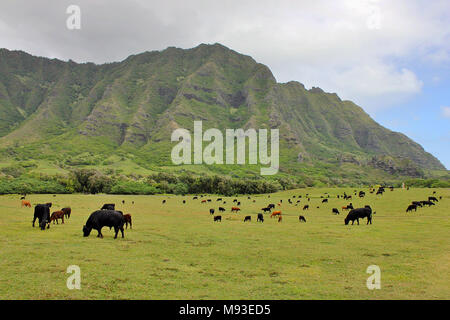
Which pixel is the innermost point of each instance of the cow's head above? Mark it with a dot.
(86, 231)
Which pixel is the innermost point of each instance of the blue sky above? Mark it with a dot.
(390, 57)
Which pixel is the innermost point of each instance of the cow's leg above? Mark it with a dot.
(34, 219)
(121, 230)
(62, 218)
(357, 220)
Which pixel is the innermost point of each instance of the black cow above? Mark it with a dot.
(260, 218)
(247, 218)
(359, 213)
(164, 201)
(67, 212)
(42, 213)
(108, 206)
(433, 199)
(306, 207)
(265, 209)
(411, 207)
(335, 211)
(324, 200)
(211, 211)
(271, 206)
(221, 209)
(104, 218)
(417, 203)
(218, 218)
(238, 203)
(219, 199)
(428, 203)
(301, 219)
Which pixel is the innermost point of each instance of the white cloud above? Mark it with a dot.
(446, 112)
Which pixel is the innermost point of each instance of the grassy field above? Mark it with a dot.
(176, 251)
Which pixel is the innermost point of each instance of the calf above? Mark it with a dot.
(247, 218)
(127, 218)
(335, 211)
(56, 216)
(411, 207)
(301, 219)
(104, 218)
(218, 218)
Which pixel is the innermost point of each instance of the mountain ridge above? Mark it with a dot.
(134, 105)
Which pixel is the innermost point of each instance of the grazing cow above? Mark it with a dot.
(428, 203)
(248, 218)
(306, 207)
(203, 201)
(218, 218)
(265, 209)
(67, 212)
(26, 203)
(260, 218)
(411, 207)
(184, 201)
(219, 199)
(127, 218)
(440, 197)
(433, 199)
(271, 206)
(362, 194)
(417, 203)
(359, 213)
(108, 206)
(194, 198)
(238, 203)
(164, 201)
(301, 219)
(335, 211)
(104, 218)
(123, 201)
(235, 209)
(42, 213)
(324, 200)
(235, 200)
(209, 200)
(22, 198)
(275, 213)
(211, 211)
(56, 216)
(221, 209)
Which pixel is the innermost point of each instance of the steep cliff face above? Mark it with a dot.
(134, 105)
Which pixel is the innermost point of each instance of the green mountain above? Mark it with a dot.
(57, 115)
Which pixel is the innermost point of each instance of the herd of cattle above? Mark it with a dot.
(107, 216)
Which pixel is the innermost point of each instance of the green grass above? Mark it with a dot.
(176, 251)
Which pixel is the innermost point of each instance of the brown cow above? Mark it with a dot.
(26, 203)
(127, 218)
(235, 209)
(275, 213)
(56, 216)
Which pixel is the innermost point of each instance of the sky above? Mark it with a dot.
(390, 57)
